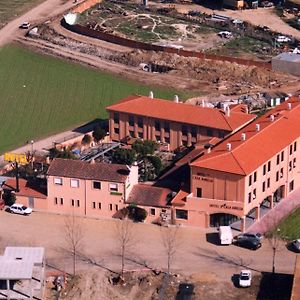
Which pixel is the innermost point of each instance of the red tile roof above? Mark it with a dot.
(182, 113)
(259, 146)
(84, 170)
(147, 195)
(26, 189)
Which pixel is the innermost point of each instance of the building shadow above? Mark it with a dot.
(103, 123)
(275, 286)
(213, 238)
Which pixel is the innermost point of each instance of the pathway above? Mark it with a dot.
(277, 214)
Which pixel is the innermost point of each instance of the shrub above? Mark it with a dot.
(98, 133)
(86, 140)
(9, 198)
(137, 214)
(123, 156)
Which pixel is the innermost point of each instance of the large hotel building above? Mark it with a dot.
(256, 163)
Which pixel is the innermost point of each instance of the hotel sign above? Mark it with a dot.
(202, 178)
(225, 206)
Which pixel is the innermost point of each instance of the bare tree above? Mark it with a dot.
(74, 235)
(125, 236)
(170, 242)
(274, 238)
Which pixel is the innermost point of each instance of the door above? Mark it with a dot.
(31, 202)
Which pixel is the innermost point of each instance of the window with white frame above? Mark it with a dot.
(74, 183)
(58, 180)
(113, 187)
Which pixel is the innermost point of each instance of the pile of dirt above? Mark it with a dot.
(229, 75)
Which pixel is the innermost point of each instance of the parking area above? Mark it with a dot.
(197, 250)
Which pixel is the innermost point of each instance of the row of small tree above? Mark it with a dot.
(125, 237)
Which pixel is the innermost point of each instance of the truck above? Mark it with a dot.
(225, 235)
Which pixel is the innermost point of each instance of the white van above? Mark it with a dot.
(225, 235)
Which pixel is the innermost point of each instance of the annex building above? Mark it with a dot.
(171, 122)
(257, 165)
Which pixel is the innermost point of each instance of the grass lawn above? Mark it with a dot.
(41, 95)
(13, 8)
(290, 227)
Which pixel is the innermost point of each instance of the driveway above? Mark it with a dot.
(196, 249)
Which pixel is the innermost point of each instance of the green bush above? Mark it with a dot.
(137, 214)
(9, 198)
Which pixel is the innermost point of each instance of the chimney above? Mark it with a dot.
(257, 127)
(202, 103)
(289, 106)
(208, 150)
(151, 94)
(228, 147)
(243, 136)
(92, 162)
(272, 118)
(176, 98)
(227, 111)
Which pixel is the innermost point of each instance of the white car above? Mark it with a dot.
(245, 278)
(20, 209)
(225, 34)
(283, 39)
(25, 25)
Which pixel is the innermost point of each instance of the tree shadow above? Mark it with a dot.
(235, 280)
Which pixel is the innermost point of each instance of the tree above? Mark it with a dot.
(9, 198)
(124, 235)
(73, 237)
(86, 140)
(99, 133)
(123, 156)
(66, 153)
(136, 213)
(144, 148)
(170, 244)
(156, 162)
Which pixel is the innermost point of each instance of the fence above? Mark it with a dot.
(149, 47)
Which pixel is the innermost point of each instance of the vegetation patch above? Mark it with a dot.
(290, 227)
(41, 95)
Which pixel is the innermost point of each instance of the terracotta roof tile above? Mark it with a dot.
(180, 112)
(84, 170)
(259, 146)
(26, 189)
(147, 195)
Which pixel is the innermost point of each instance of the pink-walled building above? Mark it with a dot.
(89, 189)
(257, 165)
(172, 123)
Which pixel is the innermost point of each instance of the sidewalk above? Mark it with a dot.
(271, 219)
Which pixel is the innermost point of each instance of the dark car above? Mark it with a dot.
(250, 235)
(252, 243)
(185, 291)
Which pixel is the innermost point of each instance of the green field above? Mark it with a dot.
(41, 95)
(290, 227)
(13, 8)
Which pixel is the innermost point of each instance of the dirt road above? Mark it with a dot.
(260, 16)
(42, 12)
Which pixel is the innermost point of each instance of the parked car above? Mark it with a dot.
(266, 4)
(25, 25)
(225, 34)
(283, 39)
(20, 209)
(252, 243)
(245, 278)
(296, 245)
(250, 235)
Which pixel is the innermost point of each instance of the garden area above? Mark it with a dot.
(290, 228)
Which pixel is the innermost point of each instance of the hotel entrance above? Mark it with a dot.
(220, 219)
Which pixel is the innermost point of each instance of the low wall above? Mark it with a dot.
(149, 47)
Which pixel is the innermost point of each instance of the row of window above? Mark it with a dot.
(280, 157)
(74, 183)
(110, 206)
(76, 203)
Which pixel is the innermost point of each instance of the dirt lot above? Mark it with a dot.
(197, 254)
